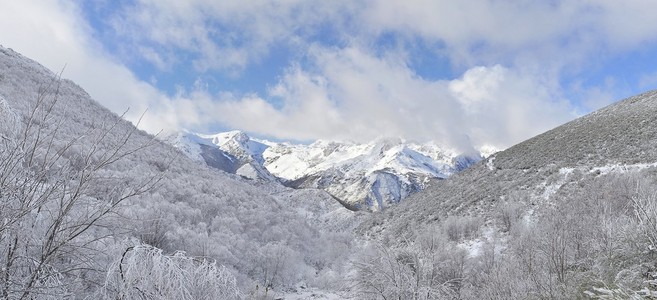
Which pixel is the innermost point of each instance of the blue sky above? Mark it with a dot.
(463, 73)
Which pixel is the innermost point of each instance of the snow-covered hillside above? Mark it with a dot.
(368, 176)
(568, 214)
(83, 191)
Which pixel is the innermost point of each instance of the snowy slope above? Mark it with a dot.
(193, 208)
(579, 192)
(367, 176)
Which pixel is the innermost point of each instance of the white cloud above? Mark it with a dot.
(550, 37)
(224, 35)
(465, 22)
(348, 94)
(55, 34)
(512, 54)
(503, 107)
(155, 58)
(231, 34)
(554, 34)
(307, 112)
(648, 81)
(596, 97)
(354, 95)
(625, 24)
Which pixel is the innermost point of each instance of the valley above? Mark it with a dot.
(93, 207)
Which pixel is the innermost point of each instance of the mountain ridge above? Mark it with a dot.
(620, 136)
(368, 176)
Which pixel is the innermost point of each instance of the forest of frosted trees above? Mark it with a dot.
(596, 240)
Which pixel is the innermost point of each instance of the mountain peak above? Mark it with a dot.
(384, 144)
(236, 136)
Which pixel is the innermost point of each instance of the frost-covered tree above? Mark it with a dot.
(645, 210)
(54, 197)
(430, 267)
(9, 122)
(144, 272)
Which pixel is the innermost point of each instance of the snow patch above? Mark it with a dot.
(550, 189)
(618, 168)
(489, 163)
(473, 247)
(308, 294)
(488, 150)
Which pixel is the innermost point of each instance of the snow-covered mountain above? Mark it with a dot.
(368, 176)
(80, 150)
(233, 152)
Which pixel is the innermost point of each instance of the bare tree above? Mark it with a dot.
(645, 211)
(54, 194)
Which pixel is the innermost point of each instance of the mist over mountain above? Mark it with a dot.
(567, 214)
(619, 137)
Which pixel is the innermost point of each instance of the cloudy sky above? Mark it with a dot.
(463, 73)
